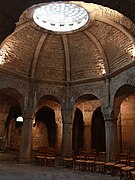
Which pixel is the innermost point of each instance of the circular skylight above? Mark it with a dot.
(60, 17)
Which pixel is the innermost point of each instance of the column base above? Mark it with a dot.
(24, 160)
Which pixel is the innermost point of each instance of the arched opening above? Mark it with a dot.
(78, 131)
(13, 128)
(124, 105)
(44, 132)
(98, 131)
(10, 109)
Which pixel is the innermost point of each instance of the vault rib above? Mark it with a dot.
(36, 54)
(67, 58)
(100, 48)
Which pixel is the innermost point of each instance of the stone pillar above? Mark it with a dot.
(87, 137)
(67, 130)
(59, 128)
(109, 133)
(3, 118)
(25, 149)
(87, 116)
(75, 136)
(119, 135)
(2, 128)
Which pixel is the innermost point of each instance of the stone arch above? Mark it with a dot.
(124, 104)
(98, 131)
(45, 127)
(11, 108)
(78, 130)
(88, 89)
(87, 104)
(48, 123)
(123, 92)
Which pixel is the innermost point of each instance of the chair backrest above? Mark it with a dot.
(42, 150)
(123, 157)
(131, 160)
(91, 155)
(102, 156)
(81, 155)
(50, 151)
(69, 153)
(113, 157)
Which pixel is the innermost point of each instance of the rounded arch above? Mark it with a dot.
(52, 101)
(13, 93)
(124, 105)
(11, 107)
(123, 92)
(86, 97)
(78, 131)
(98, 131)
(48, 123)
(86, 105)
(46, 116)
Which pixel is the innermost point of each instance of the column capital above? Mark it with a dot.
(67, 116)
(109, 119)
(87, 125)
(107, 112)
(66, 122)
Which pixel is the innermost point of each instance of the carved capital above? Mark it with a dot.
(107, 112)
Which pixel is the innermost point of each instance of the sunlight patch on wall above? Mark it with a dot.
(3, 55)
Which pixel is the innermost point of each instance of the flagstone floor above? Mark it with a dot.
(11, 170)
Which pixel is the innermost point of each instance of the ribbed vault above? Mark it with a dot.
(100, 48)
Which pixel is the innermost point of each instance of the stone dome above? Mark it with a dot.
(102, 47)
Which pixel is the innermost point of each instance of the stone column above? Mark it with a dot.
(25, 149)
(87, 115)
(109, 133)
(75, 136)
(2, 128)
(59, 128)
(119, 135)
(67, 130)
(87, 137)
(3, 117)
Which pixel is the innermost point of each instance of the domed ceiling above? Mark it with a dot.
(102, 46)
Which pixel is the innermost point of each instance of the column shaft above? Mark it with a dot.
(109, 131)
(87, 137)
(25, 149)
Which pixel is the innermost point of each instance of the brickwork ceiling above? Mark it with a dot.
(11, 10)
(107, 41)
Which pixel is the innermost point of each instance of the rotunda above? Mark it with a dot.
(68, 70)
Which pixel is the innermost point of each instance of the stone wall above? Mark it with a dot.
(128, 122)
(40, 136)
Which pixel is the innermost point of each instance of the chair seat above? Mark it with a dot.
(133, 173)
(68, 159)
(89, 162)
(40, 156)
(80, 161)
(127, 168)
(50, 158)
(110, 164)
(99, 163)
(120, 165)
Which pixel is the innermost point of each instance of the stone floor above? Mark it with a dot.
(11, 170)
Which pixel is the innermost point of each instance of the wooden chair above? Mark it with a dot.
(130, 167)
(133, 175)
(50, 157)
(122, 162)
(101, 160)
(90, 160)
(69, 159)
(109, 165)
(40, 156)
(79, 160)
